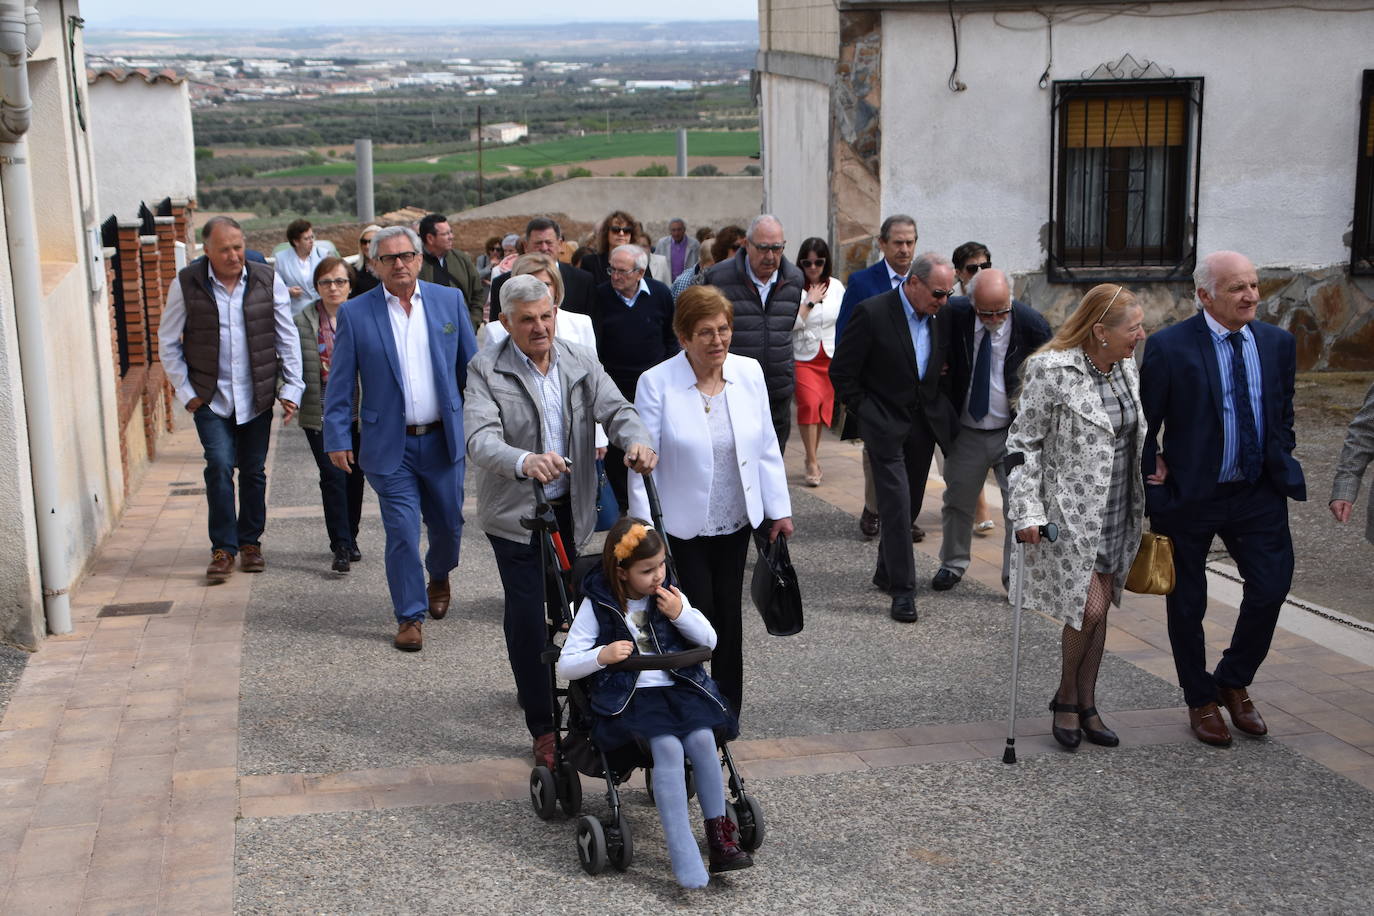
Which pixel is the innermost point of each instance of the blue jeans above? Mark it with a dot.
(342, 493)
(228, 446)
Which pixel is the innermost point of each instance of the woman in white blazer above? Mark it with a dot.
(813, 343)
(297, 260)
(720, 473)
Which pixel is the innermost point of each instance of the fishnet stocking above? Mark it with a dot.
(1082, 654)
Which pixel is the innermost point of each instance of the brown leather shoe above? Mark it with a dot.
(1244, 716)
(543, 750)
(250, 558)
(1207, 725)
(918, 534)
(221, 566)
(438, 598)
(408, 638)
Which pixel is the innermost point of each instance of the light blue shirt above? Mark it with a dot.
(630, 303)
(919, 325)
(1230, 422)
(550, 390)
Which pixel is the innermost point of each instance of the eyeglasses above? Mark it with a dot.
(618, 272)
(622, 230)
(972, 269)
(706, 335)
(332, 281)
(997, 314)
(775, 249)
(813, 262)
(363, 243)
(640, 619)
(935, 293)
(400, 257)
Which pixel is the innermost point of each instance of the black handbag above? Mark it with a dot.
(774, 587)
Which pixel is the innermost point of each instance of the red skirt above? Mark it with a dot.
(815, 396)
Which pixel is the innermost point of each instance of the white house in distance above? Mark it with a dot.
(155, 107)
(1089, 140)
(502, 132)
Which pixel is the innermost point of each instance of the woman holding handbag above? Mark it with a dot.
(720, 471)
(1080, 428)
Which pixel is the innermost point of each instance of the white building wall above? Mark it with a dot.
(795, 118)
(1280, 115)
(144, 145)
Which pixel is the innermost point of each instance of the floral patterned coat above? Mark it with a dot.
(1067, 439)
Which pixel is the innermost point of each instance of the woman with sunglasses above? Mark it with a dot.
(364, 278)
(618, 228)
(813, 341)
(341, 492)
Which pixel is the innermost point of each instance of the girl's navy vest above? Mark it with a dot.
(611, 690)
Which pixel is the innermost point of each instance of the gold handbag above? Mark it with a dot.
(1152, 573)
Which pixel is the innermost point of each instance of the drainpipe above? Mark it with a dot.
(20, 33)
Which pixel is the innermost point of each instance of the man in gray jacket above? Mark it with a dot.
(532, 403)
(1355, 457)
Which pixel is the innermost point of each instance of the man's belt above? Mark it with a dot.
(424, 429)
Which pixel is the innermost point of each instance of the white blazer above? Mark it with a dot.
(817, 328)
(669, 404)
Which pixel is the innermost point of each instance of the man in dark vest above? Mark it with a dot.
(449, 266)
(226, 332)
(765, 289)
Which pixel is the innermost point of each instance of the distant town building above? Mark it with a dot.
(673, 85)
(502, 132)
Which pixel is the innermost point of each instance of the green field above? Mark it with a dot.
(557, 153)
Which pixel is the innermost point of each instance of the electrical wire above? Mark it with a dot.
(954, 83)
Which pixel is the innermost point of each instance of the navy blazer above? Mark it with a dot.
(1029, 332)
(365, 348)
(1180, 389)
(861, 285)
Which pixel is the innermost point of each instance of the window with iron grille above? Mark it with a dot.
(1124, 188)
(1362, 238)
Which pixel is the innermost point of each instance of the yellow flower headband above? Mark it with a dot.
(629, 541)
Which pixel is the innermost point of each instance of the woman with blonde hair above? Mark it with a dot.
(1080, 428)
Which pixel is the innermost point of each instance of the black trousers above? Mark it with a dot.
(712, 574)
(900, 468)
(341, 493)
(781, 409)
(524, 580)
(1252, 521)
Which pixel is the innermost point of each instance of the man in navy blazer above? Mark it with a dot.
(1221, 385)
(409, 342)
(897, 241)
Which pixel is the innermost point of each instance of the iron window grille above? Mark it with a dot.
(1124, 179)
(1362, 236)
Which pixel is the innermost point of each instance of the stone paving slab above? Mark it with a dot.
(1169, 828)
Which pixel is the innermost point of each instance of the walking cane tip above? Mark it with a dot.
(1009, 755)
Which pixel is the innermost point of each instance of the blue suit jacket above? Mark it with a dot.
(862, 284)
(364, 347)
(1180, 389)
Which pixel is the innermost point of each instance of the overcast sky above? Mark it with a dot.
(269, 13)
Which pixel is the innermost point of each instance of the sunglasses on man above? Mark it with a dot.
(972, 269)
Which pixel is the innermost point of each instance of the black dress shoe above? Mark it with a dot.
(354, 554)
(1105, 736)
(904, 609)
(340, 560)
(868, 523)
(918, 534)
(945, 580)
(1068, 737)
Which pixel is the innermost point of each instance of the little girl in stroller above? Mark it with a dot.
(631, 608)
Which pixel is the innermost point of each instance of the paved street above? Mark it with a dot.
(261, 748)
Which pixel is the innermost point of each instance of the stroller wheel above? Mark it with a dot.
(748, 816)
(569, 789)
(591, 845)
(543, 792)
(621, 845)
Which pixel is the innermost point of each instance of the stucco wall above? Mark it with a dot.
(799, 26)
(795, 116)
(1278, 130)
(143, 143)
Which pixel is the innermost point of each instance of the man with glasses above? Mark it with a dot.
(633, 319)
(990, 335)
(897, 242)
(969, 258)
(545, 236)
(765, 290)
(409, 342)
(449, 266)
(888, 371)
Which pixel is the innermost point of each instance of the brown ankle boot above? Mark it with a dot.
(722, 837)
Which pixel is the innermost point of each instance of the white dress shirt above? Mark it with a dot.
(411, 333)
(233, 395)
(549, 387)
(763, 286)
(999, 410)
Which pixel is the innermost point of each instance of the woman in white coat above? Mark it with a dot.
(297, 260)
(1080, 428)
(813, 343)
(720, 473)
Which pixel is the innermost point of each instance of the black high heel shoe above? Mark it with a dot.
(1105, 737)
(1068, 737)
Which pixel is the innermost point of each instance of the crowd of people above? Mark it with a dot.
(691, 358)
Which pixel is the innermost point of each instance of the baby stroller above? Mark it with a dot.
(606, 839)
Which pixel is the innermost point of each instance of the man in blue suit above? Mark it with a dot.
(409, 342)
(897, 241)
(1221, 385)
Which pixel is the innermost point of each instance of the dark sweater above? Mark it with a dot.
(630, 340)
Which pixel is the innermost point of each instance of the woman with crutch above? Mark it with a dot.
(1080, 427)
